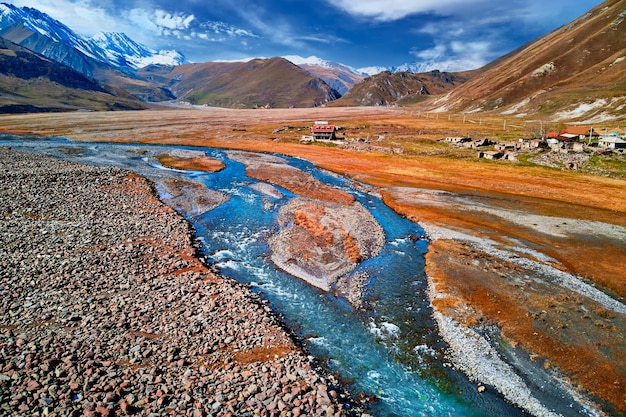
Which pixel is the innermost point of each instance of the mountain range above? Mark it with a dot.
(40, 33)
(577, 71)
(401, 88)
(274, 82)
(30, 83)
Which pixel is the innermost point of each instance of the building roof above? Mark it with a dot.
(322, 128)
(612, 139)
(579, 131)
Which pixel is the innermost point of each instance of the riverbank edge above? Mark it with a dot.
(481, 358)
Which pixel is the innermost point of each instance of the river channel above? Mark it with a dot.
(388, 351)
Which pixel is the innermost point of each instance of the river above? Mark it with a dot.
(389, 351)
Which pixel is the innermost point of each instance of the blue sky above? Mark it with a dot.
(450, 35)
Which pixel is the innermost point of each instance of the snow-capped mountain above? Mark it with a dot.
(414, 67)
(56, 41)
(120, 48)
(319, 62)
(40, 33)
(341, 77)
(369, 71)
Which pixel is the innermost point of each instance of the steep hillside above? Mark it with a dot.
(273, 82)
(388, 88)
(32, 83)
(575, 72)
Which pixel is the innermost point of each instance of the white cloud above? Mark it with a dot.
(182, 26)
(471, 48)
(160, 22)
(430, 54)
(454, 55)
(80, 16)
(536, 12)
(225, 28)
(172, 21)
(277, 30)
(397, 9)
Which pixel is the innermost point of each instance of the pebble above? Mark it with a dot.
(114, 314)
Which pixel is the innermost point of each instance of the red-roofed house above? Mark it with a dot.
(323, 131)
(581, 131)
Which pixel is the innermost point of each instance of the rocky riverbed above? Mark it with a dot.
(107, 309)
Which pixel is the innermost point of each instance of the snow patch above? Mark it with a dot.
(580, 110)
(544, 69)
(516, 107)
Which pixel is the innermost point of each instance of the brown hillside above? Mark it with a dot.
(389, 88)
(182, 79)
(275, 82)
(144, 90)
(580, 63)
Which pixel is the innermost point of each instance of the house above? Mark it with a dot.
(323, 131)
(458, 139)
(563, 142)
(490, 155)
(580, 132)
(612, 142)
(533, 144)
(506, 146)
(478, 143)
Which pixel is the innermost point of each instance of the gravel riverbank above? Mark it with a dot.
(106, 309)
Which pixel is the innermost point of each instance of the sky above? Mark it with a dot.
(450, 35)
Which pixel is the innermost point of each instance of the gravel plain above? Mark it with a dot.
(106, 309)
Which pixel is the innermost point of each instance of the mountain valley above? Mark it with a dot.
(508, 182)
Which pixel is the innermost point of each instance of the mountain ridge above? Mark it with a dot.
(574, 72)
(32, 83)
(401, 88)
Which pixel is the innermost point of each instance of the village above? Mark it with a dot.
(567, 141)
(569, 148)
